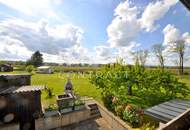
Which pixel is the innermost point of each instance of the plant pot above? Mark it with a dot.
(79, 107)
(51, 113)
(66, 110)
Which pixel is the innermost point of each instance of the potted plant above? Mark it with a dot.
(66, 108)
(51, 110)
(79, 104)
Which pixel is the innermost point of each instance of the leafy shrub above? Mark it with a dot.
(51, 107)
(119, 110)
(78, 102)
(30, 68)
(49, 92)
(133, 115)
(107, 100)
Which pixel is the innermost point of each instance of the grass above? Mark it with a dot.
(57, 82)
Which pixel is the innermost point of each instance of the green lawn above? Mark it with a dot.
(57, 81)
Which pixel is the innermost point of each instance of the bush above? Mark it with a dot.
(49, 92)
(51, 107)
(133, 115)
(30, 68)
(119, 110)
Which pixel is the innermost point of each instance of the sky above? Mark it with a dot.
(90, 31)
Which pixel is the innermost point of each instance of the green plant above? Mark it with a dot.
(78, 102)
(119, 110)
(30, 68)
(49, 92)
(51, 107)
(133, 115)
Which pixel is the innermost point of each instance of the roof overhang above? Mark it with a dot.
(186, 3)
(22, 89)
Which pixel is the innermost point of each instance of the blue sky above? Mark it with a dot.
(90, 31)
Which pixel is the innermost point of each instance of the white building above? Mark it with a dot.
(44, 70)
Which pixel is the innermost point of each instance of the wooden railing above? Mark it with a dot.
(182, 122)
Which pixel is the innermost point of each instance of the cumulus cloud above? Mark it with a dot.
(102, 51)
(40, 36)
(11, 51)
(154, 11)
(186, 37)
(33, 7)
(124, 26)
(128, 21)
(20, 38)
(170, 34)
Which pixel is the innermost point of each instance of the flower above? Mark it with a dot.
(114, 100)
(129, 107)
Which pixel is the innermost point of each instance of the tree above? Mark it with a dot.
(36, 59)
(179, 48)
(140, 57)
(158, 51)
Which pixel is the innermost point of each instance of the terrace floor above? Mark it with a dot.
(93, 124)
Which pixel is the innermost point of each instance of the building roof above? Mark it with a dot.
(186, 3)
(22, 89)
(44, 67)
(15, 75)
(166, 111)
(7, 65)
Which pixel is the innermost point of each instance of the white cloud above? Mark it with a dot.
(40, 36)
(124, 26)
(128, 23)
(154, 11)
(20, 38)
(170, 34)
(186, 37)
(10, 50)
(32, 7)
(102, 51)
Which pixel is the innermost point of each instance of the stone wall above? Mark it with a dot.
(58, 121)
(9, 80)
(114, 122)
(10, 127)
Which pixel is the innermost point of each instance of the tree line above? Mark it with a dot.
(176, 47)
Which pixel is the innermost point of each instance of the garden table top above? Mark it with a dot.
(166, 111)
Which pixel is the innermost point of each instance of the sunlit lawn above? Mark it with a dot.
(57, 82)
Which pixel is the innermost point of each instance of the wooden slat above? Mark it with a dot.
(158, 117)
(161, 114)
(181, 103)
(169, 112)
(171, 108)
(175, 105)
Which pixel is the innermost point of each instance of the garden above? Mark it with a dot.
(128, 90)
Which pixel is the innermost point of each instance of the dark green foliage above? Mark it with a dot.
(36, 59)
(49, 92)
